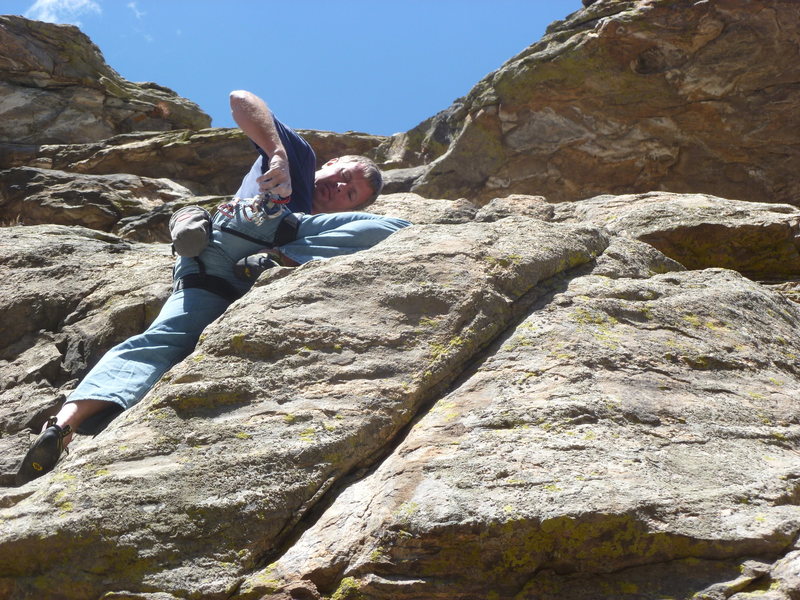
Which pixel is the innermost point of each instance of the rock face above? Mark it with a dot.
(629, 96)
(208, 161)
(759, 240)
(520, 397)
(584, 445)
(36, 196)
(67, 294)
(55, 88)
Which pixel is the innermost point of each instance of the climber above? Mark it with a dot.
(290, 171)
(205, 285)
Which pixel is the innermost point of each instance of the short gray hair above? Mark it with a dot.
(371, 173)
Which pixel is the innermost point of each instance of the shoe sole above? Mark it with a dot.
(40, 459)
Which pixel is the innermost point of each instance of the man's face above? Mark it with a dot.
(339, 186)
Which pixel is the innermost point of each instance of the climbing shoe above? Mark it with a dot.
(44, 453)
(250, 267)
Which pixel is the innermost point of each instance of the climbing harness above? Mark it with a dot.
(191, 228)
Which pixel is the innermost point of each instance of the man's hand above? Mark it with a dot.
(276, 180)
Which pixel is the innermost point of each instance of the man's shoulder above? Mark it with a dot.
(286, 133)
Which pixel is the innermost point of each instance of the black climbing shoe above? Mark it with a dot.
(44, 453)
(250, 267)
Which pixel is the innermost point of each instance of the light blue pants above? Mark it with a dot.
(126, 373)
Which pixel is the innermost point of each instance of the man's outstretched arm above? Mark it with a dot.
(323, 236)
(255, 119)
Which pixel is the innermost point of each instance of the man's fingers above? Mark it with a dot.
(280, 189)
(276, 175)
(276, 180)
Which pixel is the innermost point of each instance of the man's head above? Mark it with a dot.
(346, 183)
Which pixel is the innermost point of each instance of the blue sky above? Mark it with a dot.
(375, 66)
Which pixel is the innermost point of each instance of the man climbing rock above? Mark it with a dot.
(283, 205)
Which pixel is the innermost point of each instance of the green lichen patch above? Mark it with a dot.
(348, 590)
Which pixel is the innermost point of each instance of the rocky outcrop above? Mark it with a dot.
(628, 96)
(67, 294)
(33, 196)
(208, 161)
(577, 442)
(760, 240)
(57, 89)
(280, 404)
(520, 397)
(583, 450)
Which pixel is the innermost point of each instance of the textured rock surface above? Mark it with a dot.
(209, 161)
(419, 210)
(67, 294)
(585, 443)
(279, 405)
(35, 196)
(519, 397)
(136, 208)
(55, 88)
(759, 240)
(630, 96)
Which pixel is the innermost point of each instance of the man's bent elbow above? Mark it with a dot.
(244, 100)
(238, 97)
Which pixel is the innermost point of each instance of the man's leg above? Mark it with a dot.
(74, 413)
(126, 373)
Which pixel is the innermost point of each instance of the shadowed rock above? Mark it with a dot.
(40, 196)
(208, 161)
(761, 241)
(67, 294)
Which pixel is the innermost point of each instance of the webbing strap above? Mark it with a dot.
(210, 283)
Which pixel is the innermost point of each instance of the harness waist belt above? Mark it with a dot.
(210, 283)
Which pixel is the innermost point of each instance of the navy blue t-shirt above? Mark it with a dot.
(302, 166)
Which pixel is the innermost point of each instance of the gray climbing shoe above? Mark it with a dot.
(44, 453)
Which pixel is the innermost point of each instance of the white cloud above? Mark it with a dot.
(62, 11)
(139, 14)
